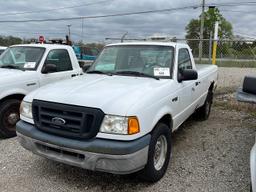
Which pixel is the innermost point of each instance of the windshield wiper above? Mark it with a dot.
(136, 73)
(10, 67)
(99, 72)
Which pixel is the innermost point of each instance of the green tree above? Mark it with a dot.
(211, 16)
(9, 40)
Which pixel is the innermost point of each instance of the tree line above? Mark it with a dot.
(235, 47)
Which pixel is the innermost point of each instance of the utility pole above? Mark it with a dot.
(201, 32)
(69, 33)
(82, 31)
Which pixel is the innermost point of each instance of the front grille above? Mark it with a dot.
(67, 120)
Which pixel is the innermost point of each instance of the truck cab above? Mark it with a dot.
(24, 68)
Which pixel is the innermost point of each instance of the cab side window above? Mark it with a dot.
(60, 58)
(184, 61)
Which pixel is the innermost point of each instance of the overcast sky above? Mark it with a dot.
(172, 23)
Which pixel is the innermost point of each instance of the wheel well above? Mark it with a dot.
(211, 86)
(166, 119)
(15, 96)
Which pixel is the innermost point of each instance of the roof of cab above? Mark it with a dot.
(47, 46)
(173, 44)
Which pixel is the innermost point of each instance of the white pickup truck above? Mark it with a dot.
(119, 117)
(24, 68)
(2, 49)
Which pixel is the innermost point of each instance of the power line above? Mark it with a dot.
(55, 9)
(246, 35)
(232, 4)
(99, 16)
(234, 11)
(104, 1)
(124, 14)
(51, 32)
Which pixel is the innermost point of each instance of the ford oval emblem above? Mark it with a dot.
(58, 121)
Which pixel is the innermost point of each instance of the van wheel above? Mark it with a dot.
(203, 112)
(158, 154)
(9, 116)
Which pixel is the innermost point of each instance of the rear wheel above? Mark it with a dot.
(203, 112)
(9, 116)
(158, 155)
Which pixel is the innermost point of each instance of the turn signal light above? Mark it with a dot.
(133, 125)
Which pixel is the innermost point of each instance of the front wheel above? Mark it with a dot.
(158, 155)
(9, 116)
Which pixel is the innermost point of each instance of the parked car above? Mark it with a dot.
(24, 68)
(248, 94)
(2, 49)
(119, 116)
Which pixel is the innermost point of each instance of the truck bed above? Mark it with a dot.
(204, 69)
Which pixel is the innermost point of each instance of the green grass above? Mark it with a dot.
(242, 64)
(233, 63)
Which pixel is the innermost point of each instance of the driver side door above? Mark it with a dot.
(64, 68)
(184, 89)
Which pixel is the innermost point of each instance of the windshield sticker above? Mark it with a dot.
(160, 71)
(30, 65)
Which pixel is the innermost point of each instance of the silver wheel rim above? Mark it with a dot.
(160, 152)
(13, 118)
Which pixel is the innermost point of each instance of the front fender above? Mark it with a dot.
(10, 92)
(150, 116)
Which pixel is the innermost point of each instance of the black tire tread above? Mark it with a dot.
(149, 173)
(3, 132)
(201, 113)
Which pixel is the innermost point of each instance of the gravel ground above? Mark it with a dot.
(207, 156)
(233, 77)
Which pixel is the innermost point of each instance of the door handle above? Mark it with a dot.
(73, 75)
(197, 83)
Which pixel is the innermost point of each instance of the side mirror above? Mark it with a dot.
(49, 68)
(187, 75)
(85, 67)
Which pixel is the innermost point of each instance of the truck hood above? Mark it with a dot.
(9, 72)
(112, 94)
(12, 76)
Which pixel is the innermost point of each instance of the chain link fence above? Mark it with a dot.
(230, 53)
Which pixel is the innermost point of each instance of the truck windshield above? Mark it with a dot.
(135, 60)
(22, 58)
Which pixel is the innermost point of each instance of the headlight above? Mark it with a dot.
(120, 125)
(26, 109)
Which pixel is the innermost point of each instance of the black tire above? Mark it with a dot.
(204, 112)
(249, 85)
(150, 173)
(7, 126)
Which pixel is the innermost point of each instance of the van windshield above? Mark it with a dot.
(22, 58)
(135, 60)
